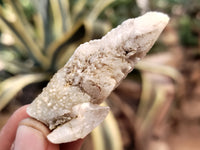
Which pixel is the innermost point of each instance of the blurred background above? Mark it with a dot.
(157, 107)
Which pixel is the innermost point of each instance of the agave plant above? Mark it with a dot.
(38, 37)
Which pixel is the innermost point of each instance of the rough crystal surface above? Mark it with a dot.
(91, 74)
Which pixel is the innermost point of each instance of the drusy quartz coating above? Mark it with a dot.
(69, 105)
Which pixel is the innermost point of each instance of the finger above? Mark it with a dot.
(31, 135)
(76, 145)
(8, 132)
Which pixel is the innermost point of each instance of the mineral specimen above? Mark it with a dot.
(69, 105)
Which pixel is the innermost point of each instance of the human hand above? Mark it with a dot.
(20, 133)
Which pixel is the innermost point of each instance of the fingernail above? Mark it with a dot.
(29, 138)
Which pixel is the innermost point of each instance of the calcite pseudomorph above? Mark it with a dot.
(69, 105)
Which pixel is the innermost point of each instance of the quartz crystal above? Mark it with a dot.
(69, 105)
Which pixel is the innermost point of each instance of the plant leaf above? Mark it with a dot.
(43, 16)
(12, 65)
(28, 42)
(75, 34)
(66, 15)
(40, 31)
(78, 8)
(18, 10)
(57, 17)
(11, 47)
(107, 135)
(64, 57)
(100, 5)
(11, 86)
(160, 69)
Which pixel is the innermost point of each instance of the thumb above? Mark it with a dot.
(31, 135)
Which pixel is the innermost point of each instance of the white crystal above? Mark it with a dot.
(80, 126)
(68, 103)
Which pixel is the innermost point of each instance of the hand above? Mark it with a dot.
(19, 133)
